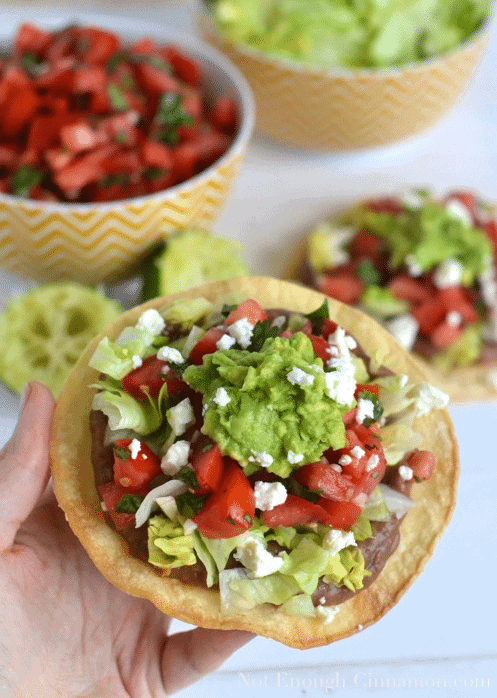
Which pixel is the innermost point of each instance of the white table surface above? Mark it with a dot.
(441, 638)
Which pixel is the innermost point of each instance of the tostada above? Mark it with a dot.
(250, 454)
(425, 269)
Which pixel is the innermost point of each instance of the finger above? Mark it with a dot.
(24, 461)
(191, 655)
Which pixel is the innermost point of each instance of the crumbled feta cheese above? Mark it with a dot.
(404, 328)
(322, 600)
(298, 377)
(405, 472)
(168, 506)
(170, 354)
(341, 383)
(458, 210)
(448, 273)
(104, 506)
(403, 380)
(365, 410)
(269, 494)
(226, 342)
(411, 199)
(413, 266)
(221, 398)
(430, 398)
(492, 378)
(454, 318)
(152, 321)
(326, 613)
(134, 448)
(254, 557)
(242, 331)
(136, 360)
(372, 463)
(175, 457)
(335, 540)
(189, 526)
(294, 458)
(350, 342)
(263, 459)
(345, 460)
(358, 452)
(181, 416)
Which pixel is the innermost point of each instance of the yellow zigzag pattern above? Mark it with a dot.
(100, 244)
(314, 110)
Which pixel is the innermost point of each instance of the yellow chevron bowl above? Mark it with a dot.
(92, 243)
(349, 110)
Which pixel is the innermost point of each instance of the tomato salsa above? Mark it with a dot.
(423, 267)
(87, 118)
(252, 450)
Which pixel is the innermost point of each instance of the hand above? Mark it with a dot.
(67, 632)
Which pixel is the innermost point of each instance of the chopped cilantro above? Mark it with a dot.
(117, 97)
(122, 453)
(367, 272)
(378, 407)
(129, 503)
(188, 475)
(262, 331)
(171, 115)
(190, 504)
(24, 179)
(318, 316)
(32, 64)
(226, 309)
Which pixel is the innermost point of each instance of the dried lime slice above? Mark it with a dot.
(44, 331)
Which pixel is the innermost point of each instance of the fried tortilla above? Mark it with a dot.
(421, 529)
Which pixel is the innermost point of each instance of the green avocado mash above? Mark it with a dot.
(350, 33)
(268, 418)
(428, 235)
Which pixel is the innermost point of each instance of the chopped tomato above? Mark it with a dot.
(154, 80)
(368, 465)
(295, 511)
(186, 68)
(111, 494)
(370, 387)
(205, 345)
(422, 464)
(229, 510)
(342, 285)
(445, 334)
(321, 347)
(429, 314)
(134, 473)
(366, 244)
(405, 287)
(466, 198)
(224, 115)
(208, 464)
(343, 514)
(149, 379)
(156, 154)
(31, 39)
(328, 327)
(325, 479)
(97, 45)
(387, 204)
(491, 229)
(249, 310)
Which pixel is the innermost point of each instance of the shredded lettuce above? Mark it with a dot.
(168, 546)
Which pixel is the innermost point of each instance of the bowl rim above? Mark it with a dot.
(338, 72)
(191, 43)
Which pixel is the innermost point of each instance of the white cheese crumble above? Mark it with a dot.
(269, 494)
(254, 557)
(413, 266)
(170, 354)
(152, 321)
(299, 377)
(326, 613)
(181, 416)
(454, 318)
(358, 452)
(341, 383)
(242, 331)
(404, 328)
(458, 210)
(430, 398)
(372, 463)
(405, 472)
(294, 458)
(136, 361)
(365, 410)
(335, 540)
(411, 199)
(448, 273)
(134, 448)
(278, 321)
(226, 342)
(175, 457)
(221, 397)
(263, 459)
(492, 378)
(345, 460)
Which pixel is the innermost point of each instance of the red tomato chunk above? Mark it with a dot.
(84, 118)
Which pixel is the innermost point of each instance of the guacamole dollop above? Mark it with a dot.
(269, 408)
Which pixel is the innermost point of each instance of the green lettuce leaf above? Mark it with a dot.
(168, 546)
